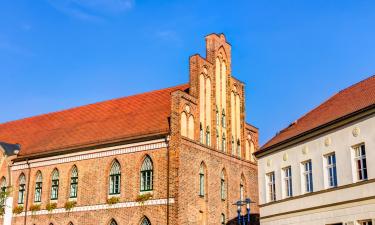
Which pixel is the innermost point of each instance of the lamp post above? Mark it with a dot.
(244, 218)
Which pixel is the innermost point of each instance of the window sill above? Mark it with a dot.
(72, 199)
(146, 192)
(114, 195)
(53, 201)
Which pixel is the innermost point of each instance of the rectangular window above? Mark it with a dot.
(38, 192)
(360, 162)
(331, 170)
(201, 184)
(21, 194)
(146, 180)
(114, 187)
(73, 187)
(288, 182)
(55, 190)
(308, 176)
(271, 186)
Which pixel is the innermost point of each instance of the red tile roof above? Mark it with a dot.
(106, 121)
(347, 101)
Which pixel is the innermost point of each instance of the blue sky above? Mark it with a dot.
(292, 55)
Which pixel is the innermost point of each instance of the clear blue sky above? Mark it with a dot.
(57, 54)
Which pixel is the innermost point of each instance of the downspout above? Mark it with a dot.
(168, 163)
(27, 191)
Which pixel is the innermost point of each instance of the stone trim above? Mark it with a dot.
(100, 207)
(97, 153)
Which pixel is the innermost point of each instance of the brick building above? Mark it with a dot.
(181, 155)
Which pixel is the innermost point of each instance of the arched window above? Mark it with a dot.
(70, 223)
(223, 120)
(147, 175)
(208, 136)
(201, 180)
(3, 184)
(201, 133)
(21, 188)
(242, 188)
(74, 182)
(224, 143)
(38, 187)
(233, 147)
(222, 219)
(113, 222)
(222, 185)
(146, 221)
(55, 185)
(115, 178)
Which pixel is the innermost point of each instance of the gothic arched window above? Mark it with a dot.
(113, 222)
(3, 184)
(55, 185)
(147, 174)
(38, 187)
(222, 185)
(115, 178)
(201, 133)
(222, 219)
(146, 221)
(223, 119)
(74, 182)
(21, 188)
(201, 180)
(224, 143)
(208, 136)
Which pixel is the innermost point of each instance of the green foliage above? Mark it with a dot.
(51, 206)
(144, 197)
(35, 208)
(69, 205)
(113, 200)
(18, 209)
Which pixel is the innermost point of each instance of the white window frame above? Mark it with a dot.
(357, 155)
(271, 186)
(328, 168)
(287, 182)
(307, 177)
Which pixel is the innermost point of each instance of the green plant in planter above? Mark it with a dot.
(51, 206)
(3, 196)
(69, 205)
(35, 208)
(113, 200)
(18, 209)
(144, 197)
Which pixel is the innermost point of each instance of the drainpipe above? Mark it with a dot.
(168, 163)
(27, 191)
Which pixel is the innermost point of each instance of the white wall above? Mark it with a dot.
(341, 141)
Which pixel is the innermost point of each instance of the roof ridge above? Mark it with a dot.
(94, 103)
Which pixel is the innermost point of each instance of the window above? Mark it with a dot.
(113, 222)
(21, 189)
(147, 175)
(224, 143)
(233, 147)
(146, 221)
(222, 219)
(217, 140)
(242, 189)
(222, 185)
(70, 223)
(331, 170)
(271, 186)
(288, 182)
(208, 136)
(55, 185)
(74, 182)
(308, 177)
(365, 222)
(201, 180)
(3, 184)
(38, 187)
(360, 161)
(239, 148)
(201, 133)
(223, 123)
(115, 178)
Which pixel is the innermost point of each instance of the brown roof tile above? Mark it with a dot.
(347, 101)
(115, 119)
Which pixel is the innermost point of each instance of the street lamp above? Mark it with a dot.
(239, 205)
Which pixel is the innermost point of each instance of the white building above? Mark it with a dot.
(321, 169)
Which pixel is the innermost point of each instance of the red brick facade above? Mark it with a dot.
(175, 198)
